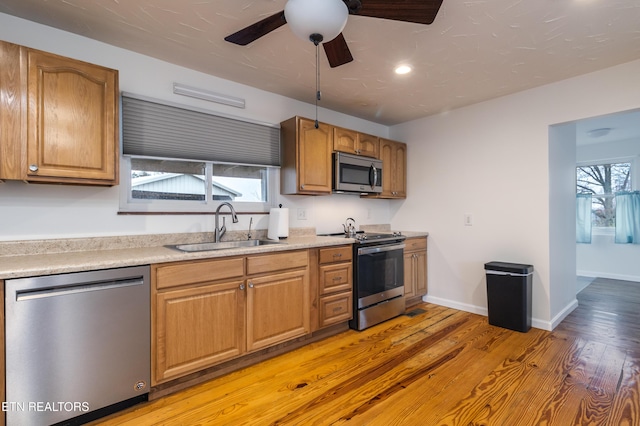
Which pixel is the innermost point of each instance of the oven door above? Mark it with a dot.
(379, 273)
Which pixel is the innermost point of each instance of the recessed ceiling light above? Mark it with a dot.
(598, 133)
(403, 69)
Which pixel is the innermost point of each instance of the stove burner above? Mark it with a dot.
(375, 237)
(371, 238)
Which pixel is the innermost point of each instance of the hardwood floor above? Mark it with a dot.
(609, 312)
(437, 367)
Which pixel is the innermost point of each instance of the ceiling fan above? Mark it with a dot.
(336, 49)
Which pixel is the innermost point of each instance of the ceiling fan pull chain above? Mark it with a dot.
(317, 82)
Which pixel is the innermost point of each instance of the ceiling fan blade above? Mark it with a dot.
(257, 30)
(337, 51)
(418, 11)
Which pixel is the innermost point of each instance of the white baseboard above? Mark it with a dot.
(456, 305)
(622, 277)
(536, 323)
(563, 314)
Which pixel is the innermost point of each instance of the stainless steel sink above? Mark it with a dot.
(222, 245)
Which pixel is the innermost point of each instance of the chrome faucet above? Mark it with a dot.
(220, 231)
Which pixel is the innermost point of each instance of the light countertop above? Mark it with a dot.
(45, 257)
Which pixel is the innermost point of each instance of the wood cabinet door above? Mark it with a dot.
(352, 142)
(415, 268)
(196, 328)
(314, 161)
(394, 169)
(12, 110)
(277, 308)
(409, 276)
(387, 154)
(421, 272)
(72, 121)
(345, 140)
(367, 145)
(400, 170)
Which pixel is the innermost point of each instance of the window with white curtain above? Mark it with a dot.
(601, 182)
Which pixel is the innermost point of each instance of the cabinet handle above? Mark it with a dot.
(251, 285)
(301, 186)
(33, 168)
(337, 255)
(337, 279)
(241, 286)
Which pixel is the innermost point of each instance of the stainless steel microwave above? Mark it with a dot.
(353, 173)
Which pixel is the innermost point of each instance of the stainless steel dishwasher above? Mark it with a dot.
(78, 345)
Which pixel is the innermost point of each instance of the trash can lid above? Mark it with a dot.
(516, 268)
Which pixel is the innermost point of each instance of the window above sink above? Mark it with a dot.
(181, 159)
(172, 185)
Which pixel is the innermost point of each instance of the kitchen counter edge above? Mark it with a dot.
(32, 265)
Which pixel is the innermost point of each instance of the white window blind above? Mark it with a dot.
(153, 129)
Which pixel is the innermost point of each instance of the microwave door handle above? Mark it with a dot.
(373, 176)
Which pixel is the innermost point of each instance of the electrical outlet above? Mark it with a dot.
(302, 214)
(468, 219)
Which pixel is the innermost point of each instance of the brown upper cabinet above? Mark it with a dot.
(59, 119)
(394, 169)
(352, 142)
(307, 163)
(306, 157)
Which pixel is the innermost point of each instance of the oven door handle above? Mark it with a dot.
(378, 249)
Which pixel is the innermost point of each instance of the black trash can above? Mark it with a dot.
(509, 295)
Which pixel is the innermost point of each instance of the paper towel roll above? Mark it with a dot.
(278, 224)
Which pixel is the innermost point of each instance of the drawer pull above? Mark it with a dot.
(338, 309)
(337, 255)
(335, 279)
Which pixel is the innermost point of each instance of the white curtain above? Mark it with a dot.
(628, 217)
(583, 218)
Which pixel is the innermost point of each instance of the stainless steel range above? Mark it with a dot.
(378, 279)
(378, 276)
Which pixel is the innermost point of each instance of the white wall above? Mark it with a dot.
(603, 258)
(492, 160)
(54, 211)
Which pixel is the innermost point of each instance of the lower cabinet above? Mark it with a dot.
(197, 327)
(211, 311)
(415, 270)
(335, 285)
(277, 309)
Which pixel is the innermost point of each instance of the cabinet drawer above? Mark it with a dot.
(335, 254)
(415, 244)
(277, 262)
(198, 272)
(336, 277)
(335, 308)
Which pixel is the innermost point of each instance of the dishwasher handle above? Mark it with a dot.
(24, 295)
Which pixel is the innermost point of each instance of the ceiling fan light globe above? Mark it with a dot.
(324, 17)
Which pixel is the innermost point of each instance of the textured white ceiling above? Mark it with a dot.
(474, 51)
